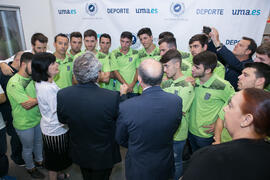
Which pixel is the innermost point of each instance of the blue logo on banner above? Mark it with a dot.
(231, 41)
(146, 10)
(67, 11)
(177, 9)
(118, 10)
(210, 11)
(246, 12)
(91, 8)
(135, 43)
(134, 39)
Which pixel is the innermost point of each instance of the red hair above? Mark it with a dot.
(257, 103)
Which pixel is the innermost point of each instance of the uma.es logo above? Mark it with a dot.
(146, 10)
(91, 8)
(67, 11)
(177, 9)
(246, 12)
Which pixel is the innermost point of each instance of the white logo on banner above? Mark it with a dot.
(91, 8)
(177, 9)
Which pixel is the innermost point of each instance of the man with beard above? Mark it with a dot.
(90, 43)
(199, 43)
(75, 44)
(26, 116)
(39, 44)
(254, 75)
(211, 93)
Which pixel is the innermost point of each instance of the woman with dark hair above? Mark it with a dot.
(247, 118)
(54, 134)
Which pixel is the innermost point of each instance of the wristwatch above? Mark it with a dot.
(219, 47)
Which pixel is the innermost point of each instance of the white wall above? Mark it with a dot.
(36, 17)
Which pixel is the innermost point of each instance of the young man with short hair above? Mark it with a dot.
(90, 42)
(103, 56)
(64, 77)
(168, 43)
(149, 50)
(172, 63)
(211, 93)
(75, 44)
(263, 55)
(199, 43)
(167, 34)
(254, 75)
(39, 44)
(26, 116)
(124, 64)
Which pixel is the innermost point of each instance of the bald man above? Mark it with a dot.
(146, 126)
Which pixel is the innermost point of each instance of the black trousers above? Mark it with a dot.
(3, 150)
(91, 174)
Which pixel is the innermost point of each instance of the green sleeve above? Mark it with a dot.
(187, 95)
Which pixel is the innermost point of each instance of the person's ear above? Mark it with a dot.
(247, 52)
(208, 70)
(247, 121)
(205, 47)
(260, 82)
(177, 64)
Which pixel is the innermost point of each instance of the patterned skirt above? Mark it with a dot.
(56, 150)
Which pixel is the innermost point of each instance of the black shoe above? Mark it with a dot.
(19, 162)
(39, 165)
(36, 174)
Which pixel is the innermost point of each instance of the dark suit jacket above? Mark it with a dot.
(233, 66)
(91, 113)
(146, 125)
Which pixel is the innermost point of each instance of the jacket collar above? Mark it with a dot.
(90, 84)
(151, 89)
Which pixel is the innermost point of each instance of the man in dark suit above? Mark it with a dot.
(91, 113)
(146, 125)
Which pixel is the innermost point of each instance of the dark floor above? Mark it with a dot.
(74, 171)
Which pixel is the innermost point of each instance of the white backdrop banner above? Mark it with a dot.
(185, 18)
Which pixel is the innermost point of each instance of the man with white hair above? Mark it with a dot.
(92, 121)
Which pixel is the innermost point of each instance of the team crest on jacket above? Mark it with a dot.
(207, 96)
